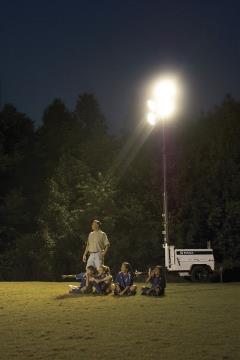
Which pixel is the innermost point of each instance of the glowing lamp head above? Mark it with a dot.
(165, 94)
(163, 105)
(165, 108)
(165, 90)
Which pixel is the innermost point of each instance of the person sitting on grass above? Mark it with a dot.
(124, 281)
(85, 286)
(81, 278)
(102, 281)
(156, 278)
(149, 279)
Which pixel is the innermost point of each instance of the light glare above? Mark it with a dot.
(164, 101)
(165, 89)
(165, 108)
(151, 105)
(151, 118)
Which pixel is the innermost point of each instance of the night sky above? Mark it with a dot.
(114, 48)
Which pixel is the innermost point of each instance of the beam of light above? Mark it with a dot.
(129, 152)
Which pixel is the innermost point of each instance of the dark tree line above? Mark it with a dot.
(56, 178)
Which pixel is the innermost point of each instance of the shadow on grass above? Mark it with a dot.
(109, 296)
(71, 296)
(179, 290)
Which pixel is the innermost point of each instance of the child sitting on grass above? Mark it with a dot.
(124, 281)
(157, 280)
(102, 281)
(85, 286)
(81, 277)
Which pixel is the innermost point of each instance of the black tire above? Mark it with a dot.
(200, 274)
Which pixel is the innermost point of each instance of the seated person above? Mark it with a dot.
(102, 281)
(124, 281)
(156, 278)
(85, 286)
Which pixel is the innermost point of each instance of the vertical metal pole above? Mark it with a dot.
(1, 95)
(221, 273)
(165, 200)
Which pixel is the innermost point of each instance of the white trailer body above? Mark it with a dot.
(197, 263)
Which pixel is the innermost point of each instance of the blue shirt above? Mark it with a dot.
(102, 276)
(156, 281)
(82, 279)
(124, 280)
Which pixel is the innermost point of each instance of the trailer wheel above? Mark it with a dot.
(200, 274)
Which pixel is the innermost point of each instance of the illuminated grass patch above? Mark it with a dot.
(40, 321)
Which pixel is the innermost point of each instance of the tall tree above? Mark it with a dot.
(208, 187)
(16, 142)
(89, 115)
(75, 198)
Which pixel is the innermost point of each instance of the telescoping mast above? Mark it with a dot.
(197, 263)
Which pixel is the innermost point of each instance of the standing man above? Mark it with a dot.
(97, 246)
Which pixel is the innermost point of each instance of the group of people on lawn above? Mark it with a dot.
(98, 280)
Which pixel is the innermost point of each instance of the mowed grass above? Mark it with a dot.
(192, 321)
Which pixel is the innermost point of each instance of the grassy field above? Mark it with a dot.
(191, 322)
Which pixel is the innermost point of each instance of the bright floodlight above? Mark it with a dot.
(163, 105)
(165, 89)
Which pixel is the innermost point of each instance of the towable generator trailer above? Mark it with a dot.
(197, 264)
